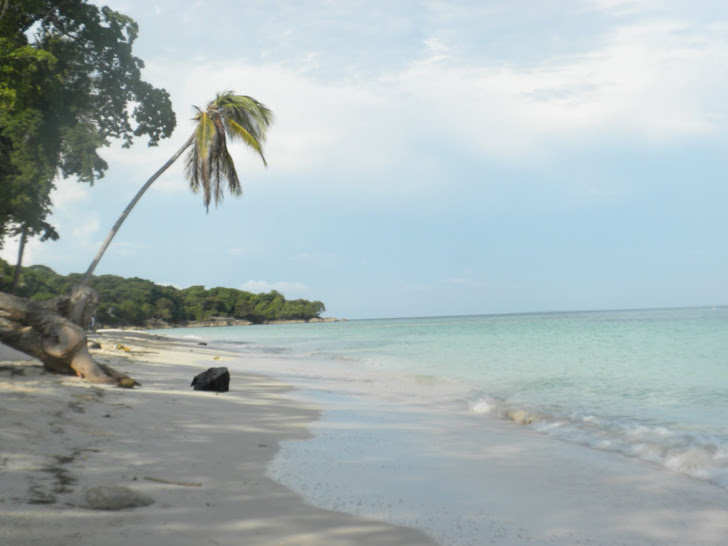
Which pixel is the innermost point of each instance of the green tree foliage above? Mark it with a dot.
(68, 84)
(27, 165)
(135, 301)
(227, 117)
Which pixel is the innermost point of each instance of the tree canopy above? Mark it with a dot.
(68, 84)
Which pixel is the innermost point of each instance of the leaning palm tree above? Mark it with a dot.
(54, 331)
(209, 163)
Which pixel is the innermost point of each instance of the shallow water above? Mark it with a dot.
(647, 384)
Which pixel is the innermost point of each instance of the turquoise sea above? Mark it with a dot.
(648, 384)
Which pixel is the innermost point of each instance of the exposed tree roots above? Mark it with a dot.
(54, 332)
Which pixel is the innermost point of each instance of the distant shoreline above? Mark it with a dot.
(164, 325)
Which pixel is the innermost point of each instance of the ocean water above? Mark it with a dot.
(648, 384)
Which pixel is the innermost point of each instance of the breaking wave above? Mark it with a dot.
(698, 454)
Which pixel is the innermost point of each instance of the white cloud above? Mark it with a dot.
(652, 82)
(437, 49)
(33, 248)
(87, 228)
(68, 198)
(289, 289)
(68, 193)
(140, 162)
(647, 83)
(436, 45)
(336, 128)
(624, 7)
(123, 248)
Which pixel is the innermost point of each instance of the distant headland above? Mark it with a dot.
(142, 304)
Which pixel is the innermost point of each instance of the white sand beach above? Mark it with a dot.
(202, 458)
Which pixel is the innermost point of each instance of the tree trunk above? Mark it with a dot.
(50, 332)
(54, 331)
(115, 228)
(21, 251)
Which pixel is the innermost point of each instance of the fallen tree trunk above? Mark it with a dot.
(54, 332)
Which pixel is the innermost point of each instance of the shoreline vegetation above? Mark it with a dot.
(219, 321)
(135, 303)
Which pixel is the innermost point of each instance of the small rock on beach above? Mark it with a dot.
(113, 497)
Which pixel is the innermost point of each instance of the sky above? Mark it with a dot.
(432, 157)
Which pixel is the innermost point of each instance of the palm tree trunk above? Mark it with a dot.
(21, 250)
(129, 207)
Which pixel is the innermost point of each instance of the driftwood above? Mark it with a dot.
(54, 332)
(173, 482)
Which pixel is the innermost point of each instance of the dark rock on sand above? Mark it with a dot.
(214, 379)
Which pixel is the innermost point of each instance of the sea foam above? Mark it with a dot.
(700, 456)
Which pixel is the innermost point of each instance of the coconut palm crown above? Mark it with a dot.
(209, 163)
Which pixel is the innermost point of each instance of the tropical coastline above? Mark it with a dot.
(599, 427)
(455, 164)
(296, 454)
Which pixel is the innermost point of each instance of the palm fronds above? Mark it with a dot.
(209, 163)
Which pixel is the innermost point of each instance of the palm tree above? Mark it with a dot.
(209, 164)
